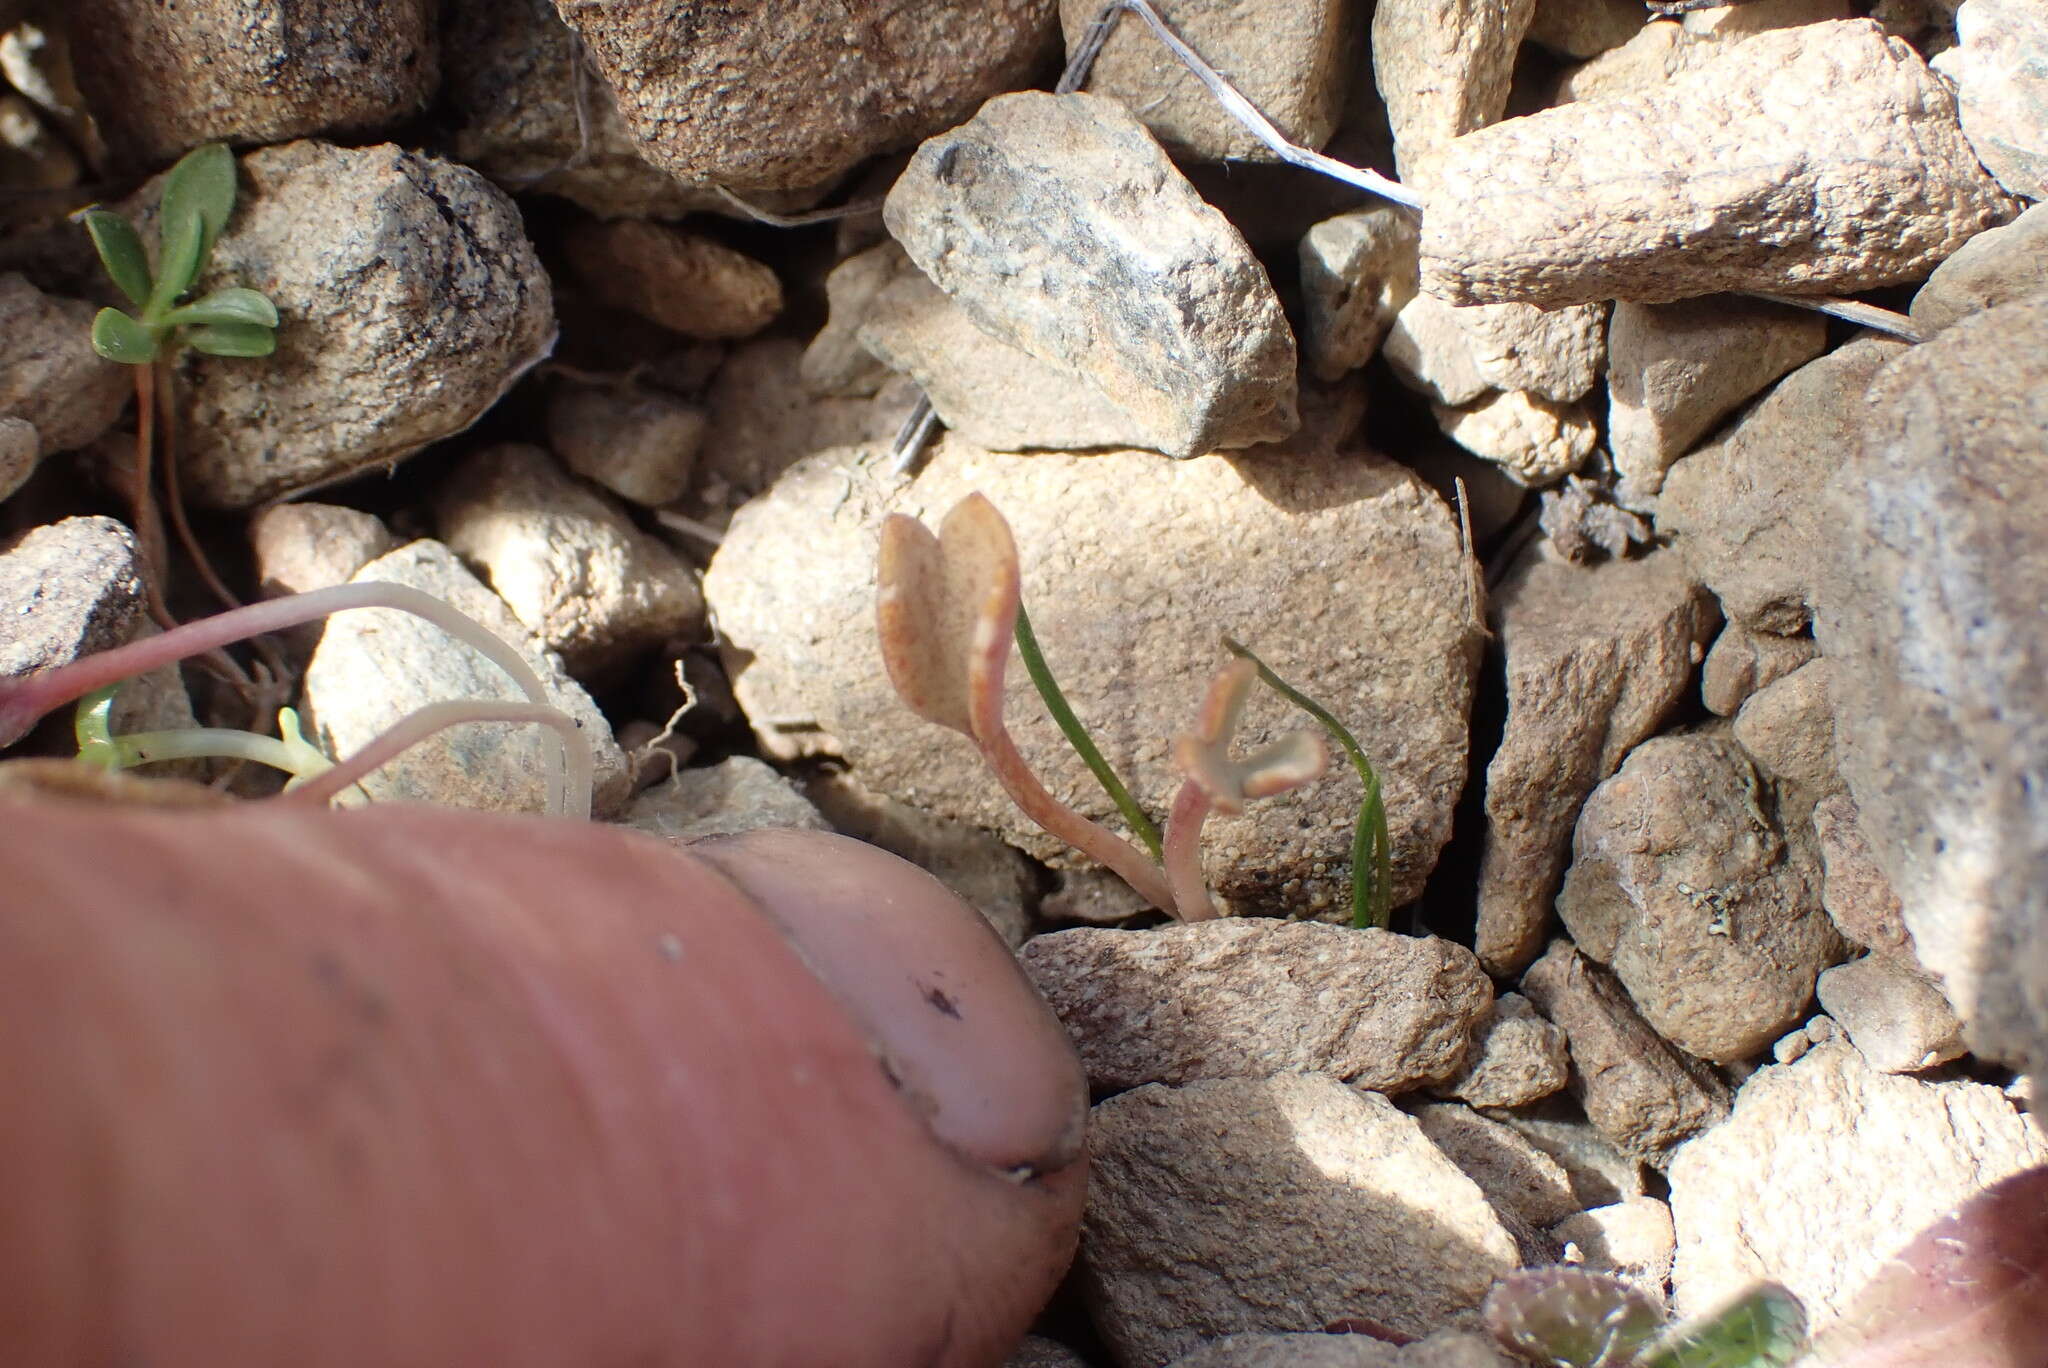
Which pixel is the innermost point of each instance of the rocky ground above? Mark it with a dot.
(1697, 636)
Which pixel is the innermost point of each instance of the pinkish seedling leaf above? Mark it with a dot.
(1204, 754)
(1970, 1291)
(946, 603)
(1568, 1318)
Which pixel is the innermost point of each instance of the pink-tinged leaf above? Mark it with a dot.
(1970, 1291)
(946, 606)
(1204, 754)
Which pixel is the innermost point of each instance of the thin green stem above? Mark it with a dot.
(1077, 736)
(1372, 883)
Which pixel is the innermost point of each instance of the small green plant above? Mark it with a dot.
(949, 607)
(1563, 1317)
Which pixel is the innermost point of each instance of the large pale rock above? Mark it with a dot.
(1675, 370)
(1060, 226)
(1288, 57)
(1642, 1093)
(1686, 881)
(1357, 273)
(1596, 658)
(1825, 1170)
(50, 377)
(1894, 1014)
(2000, 68)
(376, 665)
(1299, 1200)
(1250, 997)
(1747, 510)
(784, 96)
(569, 564)
(165, 78)
(1932, 622)
(1536, 441)
(1443, 68)
(411, 300)
(1998, 266)
(1517, 1058)
(1632, 1239)
(1455, 354)
(1301, 551)
(1839, 163)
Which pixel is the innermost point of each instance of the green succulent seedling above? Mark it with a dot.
(1563, 1317)
(198, 196)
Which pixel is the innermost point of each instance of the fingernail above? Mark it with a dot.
(961, 1031)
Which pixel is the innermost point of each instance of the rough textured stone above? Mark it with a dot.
(1857, 895)
(1641, 1092)
(1652, 55)
(2000, 69)
(1357, 273)
(734, 795)
(1932, 621)
(684, 281)
(778, 97)
(1584, 524)
(1584, 28)
(1248, 997)
(1600, 1173)
(1535, 440)
(1288, 57)
(1299, 1200)
(1676, 370)
(1748, 510)
(411, 300)
(1341, 546)
(1632, 1239)
(1524, 1184)
(165, 78)
(1686, 881)
(1740, 662)
(570, 565)
(836, 362)
(1444, 1349)
(1842, 169)
(1894, 1014)
(1443, 68)
(302, 546)
(1825, 1169)
(1040, 200)
(1596, 658)
(1788, 728)
(374, 666)
(1517, 1058)
(1456, 354)
(642, 445)
(1998, 266)
(49, 374)
(1038, 1352)
(19, 447)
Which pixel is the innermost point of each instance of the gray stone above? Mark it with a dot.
(1825, 1169)
(1517, 1058)
(2001, 78)
(1443, 68)
(1595, 660)
(411, 300)
(1998, 266)
(1641, 1092)
(641, 445)
(1788, 728)
(1038, 1352)
(1584, 524)
(1524, 1184)
(1357, 273)
(779, 97)
(737, 794)
(1288, 57)
(1585, 28)
(1633, 1239)
(19, 447)
(1741, 662)
(570, 564)
(1454, 355)
(1932, 622)
(374, 666)
(1676, 370)
(836, 362)
(1299, 1200)
(163, 79)
(1687, 882)
(1748, 510)
(1841, 168)
(685, 282)
(49, 375)
(1855, 891)
(1041, 200)
(1246, 997)
(756, 433)
(1336, 546)
(1600, 1174)
(1894, 1014)
(1535, 440)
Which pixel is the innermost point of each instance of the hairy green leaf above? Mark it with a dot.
(121, 252)
(118, 337)
(232, 305)
(233, 339)
(203, 182)
(1765, 1327)
(177, 260)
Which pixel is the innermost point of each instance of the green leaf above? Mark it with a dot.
(231, 305)
(233, 339)
(1077, 735)
(203, 181)
(1763, 1328)
(121, 252)
(177, 260)
(118, 337)
(92, 724)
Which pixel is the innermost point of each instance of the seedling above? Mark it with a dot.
(1564, 1317)
(949, 607)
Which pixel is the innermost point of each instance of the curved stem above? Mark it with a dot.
(1191, 900)
(422, 723)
